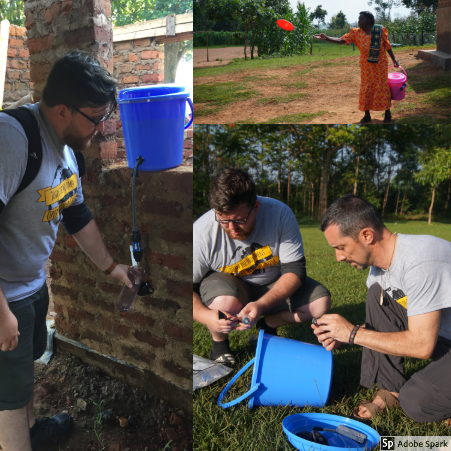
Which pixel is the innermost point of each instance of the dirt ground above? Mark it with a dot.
(332, 87)
(215, 55)
(66, 384)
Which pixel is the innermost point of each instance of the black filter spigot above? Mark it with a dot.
(137, 250)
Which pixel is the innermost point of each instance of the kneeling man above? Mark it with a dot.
(249, 260)
(408, 311)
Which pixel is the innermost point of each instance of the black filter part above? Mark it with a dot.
(314, 437)
(145, 289)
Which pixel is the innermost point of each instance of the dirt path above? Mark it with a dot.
(332, 89)
(215, 55)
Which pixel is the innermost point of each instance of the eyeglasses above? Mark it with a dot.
(233, 221)
(96, 123)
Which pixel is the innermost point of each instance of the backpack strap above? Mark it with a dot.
(30, 125)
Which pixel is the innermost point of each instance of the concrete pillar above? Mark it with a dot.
(442, 56)
(444, 26)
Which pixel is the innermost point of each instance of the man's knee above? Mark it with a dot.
(230, 304)
(417, 402)
(320, 307)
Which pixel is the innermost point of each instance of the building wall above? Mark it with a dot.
(444, 26)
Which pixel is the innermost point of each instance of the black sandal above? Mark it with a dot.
(225, 359)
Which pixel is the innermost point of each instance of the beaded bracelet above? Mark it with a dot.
(353, 334)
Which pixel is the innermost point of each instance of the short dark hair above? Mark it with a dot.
(369, 16)
(230, 189)
(351, 214)
(80, 80)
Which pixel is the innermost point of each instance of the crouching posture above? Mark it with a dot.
(249, 260)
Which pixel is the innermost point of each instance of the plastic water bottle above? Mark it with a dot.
(127, 295)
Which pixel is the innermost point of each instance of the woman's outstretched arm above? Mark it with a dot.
(323, 37)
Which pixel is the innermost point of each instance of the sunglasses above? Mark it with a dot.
(233, 221)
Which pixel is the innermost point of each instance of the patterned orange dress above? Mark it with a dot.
(374, 90)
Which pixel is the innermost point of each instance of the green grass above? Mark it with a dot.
(441, 97)
(207, 111)
(297, 85)
(293, 118)
(217, 46)
(222, 93)
(322, 51)
(282, 99)
(260, 429)
(423, 119)
(428, 84)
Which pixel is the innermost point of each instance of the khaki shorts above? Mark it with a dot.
(16, 366)
(220, 284)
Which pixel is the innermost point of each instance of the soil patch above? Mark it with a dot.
(67, 384)
(331, 94)
(225, 54)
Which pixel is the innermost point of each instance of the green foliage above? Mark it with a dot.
(123, 13)
(219, 38)
(409, 30)
(382, 6)
(339, 21)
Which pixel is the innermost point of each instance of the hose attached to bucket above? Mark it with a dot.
(136, 236)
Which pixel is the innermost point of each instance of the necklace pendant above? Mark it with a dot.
(382, 298)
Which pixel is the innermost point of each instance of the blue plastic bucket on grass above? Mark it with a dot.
(286, 372)
(305, 422)
(153, 122)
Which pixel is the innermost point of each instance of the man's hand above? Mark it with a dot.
(253, 311)
(333, 327)
(9, 332)
(396, 63)
(328, 343)
(321, 36)
(121, 273)
(223, 326)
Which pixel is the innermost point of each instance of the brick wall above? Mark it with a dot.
(17, 80)
(156, 334)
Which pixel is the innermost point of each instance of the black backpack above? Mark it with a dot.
(31, 128)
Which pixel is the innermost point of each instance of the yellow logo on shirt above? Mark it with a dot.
(250, 263)
(402, 301)
(51, 195)
(53, 214)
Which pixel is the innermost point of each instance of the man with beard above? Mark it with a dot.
(408, 311)
(249, 260)
(79, 96)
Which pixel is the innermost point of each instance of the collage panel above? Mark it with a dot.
(293, 350)
(303, 62)
(96, 190)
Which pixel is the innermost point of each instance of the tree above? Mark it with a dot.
(339, 21)
(420, 5)
(436, 168)
(319, 14)
(382, 6)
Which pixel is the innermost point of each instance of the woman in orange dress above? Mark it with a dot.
(374, 89)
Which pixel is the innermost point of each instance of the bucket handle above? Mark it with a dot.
(401, 68)
(192, 113)
(227, 387)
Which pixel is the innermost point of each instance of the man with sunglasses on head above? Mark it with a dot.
(78, 97)
(249, 261)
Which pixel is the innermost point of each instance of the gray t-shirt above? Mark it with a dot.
(420, 277)
(29, 221)
(275, 239)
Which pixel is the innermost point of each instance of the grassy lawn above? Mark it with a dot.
(261, 428)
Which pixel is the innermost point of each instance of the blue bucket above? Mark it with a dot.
(153, 122)
(305, 422)
(286, 372)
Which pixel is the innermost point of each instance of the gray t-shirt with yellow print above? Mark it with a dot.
(420, 277)
(29, 221)
(275, 240)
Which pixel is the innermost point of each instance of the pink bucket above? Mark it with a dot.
(397, 83)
